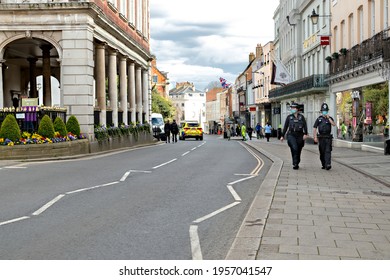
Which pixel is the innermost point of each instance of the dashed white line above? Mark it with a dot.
(161, 165)
(234, 193)
(125, 176)
(47, 205)
(15, 167)
(14, 220)
(92, 188)
(193, 149)
(195, 244)
(186, 153)
(204, 218)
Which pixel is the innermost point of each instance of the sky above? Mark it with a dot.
(201, 40)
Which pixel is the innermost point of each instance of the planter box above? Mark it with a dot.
(73, 148)
(33, 151)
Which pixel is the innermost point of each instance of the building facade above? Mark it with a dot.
(97, 51)
(160, 81)
(298, 48)
(189, 102)
(360, 54)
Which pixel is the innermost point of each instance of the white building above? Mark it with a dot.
(298, 47)
(189, 102)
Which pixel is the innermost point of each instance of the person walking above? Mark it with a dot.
(174, 131)
(322, 133)
(228, 132)
(250, 131)
(349, 131)
(267, 131)
(238, 130)
(296, 127)
(258, 129)
(167, 129)
(343, 131)
(243, 132)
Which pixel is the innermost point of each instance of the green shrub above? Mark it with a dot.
(10, 129)
(46, 128)
(60, 127)
(72, 125)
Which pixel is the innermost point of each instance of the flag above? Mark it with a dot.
(280, 75)
(224, 83)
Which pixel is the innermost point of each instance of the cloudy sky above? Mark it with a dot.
(201, 40)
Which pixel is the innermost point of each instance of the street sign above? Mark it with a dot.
(325, 40)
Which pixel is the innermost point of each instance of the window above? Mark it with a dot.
(385, 14)
(361, 24)
(155, 79)
(351, 31)
(131, 14)
(139, 15)
(123, 8)
(372, 17)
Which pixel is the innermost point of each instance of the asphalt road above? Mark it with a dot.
(169, 201)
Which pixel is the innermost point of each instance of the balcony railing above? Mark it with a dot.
(311, 83)
(376, 47)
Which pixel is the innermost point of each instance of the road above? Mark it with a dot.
(168, 201)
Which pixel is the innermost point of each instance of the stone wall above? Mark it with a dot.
(72, 148)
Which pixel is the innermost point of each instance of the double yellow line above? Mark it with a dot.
(260, 162)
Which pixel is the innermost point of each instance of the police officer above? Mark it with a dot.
(322, 133)
(296, 128)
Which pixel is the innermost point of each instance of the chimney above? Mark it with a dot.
(251, 57)
(259, 51)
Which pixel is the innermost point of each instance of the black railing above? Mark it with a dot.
(369, 50)
(309, 83)
(29, 119)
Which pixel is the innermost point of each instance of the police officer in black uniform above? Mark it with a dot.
(296, 128)
(322, 133)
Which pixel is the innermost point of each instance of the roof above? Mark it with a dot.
(183, 89)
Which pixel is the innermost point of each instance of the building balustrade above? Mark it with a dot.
(311, 83)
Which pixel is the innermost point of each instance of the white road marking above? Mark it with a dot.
(161, 165)
(125, 176)
(15, 167)
(195, 244)
(186, 153)
(47, 205)
(140, 171)
(193, 149)
(234, 193)
(92, 188)
(204, 218)
(240, 180)
(14, 220)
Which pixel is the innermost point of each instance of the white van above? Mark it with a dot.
(158, 126)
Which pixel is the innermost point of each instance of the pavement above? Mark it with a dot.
(311, 213)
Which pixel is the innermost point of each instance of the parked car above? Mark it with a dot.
(158, 126)
(191, 129)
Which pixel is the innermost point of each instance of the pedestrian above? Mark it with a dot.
(343, 130)
(243, 132)
(296, 128)
(167, 130)
(238, 130)
(322, 134)
(250, 131)
(349, 131)
(258, 129)
(267, 131)
(174, 131)
(228, 132)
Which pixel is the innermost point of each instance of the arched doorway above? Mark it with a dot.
(23, 61)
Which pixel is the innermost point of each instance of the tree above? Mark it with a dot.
(379, 96)
(162, 105)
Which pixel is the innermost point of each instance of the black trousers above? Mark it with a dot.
(168, 135)
(296, 143)
(174, 137)
(325, 148)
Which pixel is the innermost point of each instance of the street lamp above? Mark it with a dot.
(314, 17)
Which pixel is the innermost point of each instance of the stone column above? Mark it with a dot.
(46, 73)
(123, 88)
(138, 91)
(1, 85)
(145, 93)
(33, 78)
(131, 88)
(101, 83)
(112, 85)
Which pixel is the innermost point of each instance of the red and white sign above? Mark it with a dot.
(325, 40)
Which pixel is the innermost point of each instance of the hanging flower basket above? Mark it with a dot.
(335, 55)
(328, 59)
(343, 51)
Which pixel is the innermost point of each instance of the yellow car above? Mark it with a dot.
(191, 129)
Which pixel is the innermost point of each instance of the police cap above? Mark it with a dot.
(294, 105)
(324, 107)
